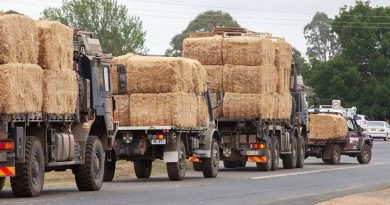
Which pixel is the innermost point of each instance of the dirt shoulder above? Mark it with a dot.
(380, 197)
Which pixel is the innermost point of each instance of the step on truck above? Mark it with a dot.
(355, 144)
(34, 143)
(265, 141)
(175, 145)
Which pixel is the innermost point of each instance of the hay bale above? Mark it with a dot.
(327, 126)
(249, 79)
(283, 104)
(18, 39)
(215, 75)
(160, 75)
(199, 75)
(21, 89)
(250, 51)
(55, 45)
(60, 92)
(114, 70)
(283, 54)
(202, 113)
(123, 109)
(248, 106)
(170, 109)
(207, 50)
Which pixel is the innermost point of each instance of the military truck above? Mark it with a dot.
(265, 141)
(175, 145)
(34, 143)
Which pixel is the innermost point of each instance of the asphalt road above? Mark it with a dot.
(314, 183)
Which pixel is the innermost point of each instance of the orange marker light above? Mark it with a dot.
(257, 146)
(6, 145)
(160, 136)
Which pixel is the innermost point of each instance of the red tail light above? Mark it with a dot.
(9, 145)
(381, 129)
(257, 146)
(160, 136)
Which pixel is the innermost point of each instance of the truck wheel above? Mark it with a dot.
(326, 161)
(109, 168)
(365, 155)
(143, 169)
(89, 176)
(241, 162)
(211, 165)
(197, 166)
(229, 164)
(266, 166)
(275, 154)
(301, 153)
(29, 178)
(2, 181)
(177, 170)
(335, 155)
(290, 160)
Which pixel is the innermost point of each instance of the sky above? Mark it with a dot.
(162, 19)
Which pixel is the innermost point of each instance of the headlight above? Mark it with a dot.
(127, 137)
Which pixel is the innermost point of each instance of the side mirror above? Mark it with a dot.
(122, 79)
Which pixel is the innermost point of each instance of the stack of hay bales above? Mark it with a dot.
(27, 88)
(163, 91)
(327, 126)
(246, 70)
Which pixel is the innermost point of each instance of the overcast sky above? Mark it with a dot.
(162, 19)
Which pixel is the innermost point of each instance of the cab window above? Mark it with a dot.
(351, 126)
(104, 78)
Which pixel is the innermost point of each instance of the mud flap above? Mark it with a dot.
(327, 151)
(171, 152)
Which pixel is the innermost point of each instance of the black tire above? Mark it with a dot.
(30, 176)
(301, 153)
(211, 165)
(365, 155)
(266, 166)
(109, 168)
(275, 154)
(89, 176)
(290, 160)
(143, 168)
(177, 170)
(241, 162)
(197, 166)
(229, 164)
(326, 161)
(2, 181)
(335, 155)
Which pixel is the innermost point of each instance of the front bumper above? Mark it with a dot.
(376, 135)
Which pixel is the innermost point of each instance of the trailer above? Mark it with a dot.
(355, 144)
(175, 145)
(265, 141)
(34, 143)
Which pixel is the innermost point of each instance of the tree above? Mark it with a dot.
(118, 33)
(12, 12)
(204, 22)
(321, 40)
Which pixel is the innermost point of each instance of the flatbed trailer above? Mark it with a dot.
(355, 144)
(34, 143)
(175, 145)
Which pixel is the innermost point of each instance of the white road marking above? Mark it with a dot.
(314, 171)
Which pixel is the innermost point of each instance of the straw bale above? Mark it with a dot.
(18, 39)
(207, 50)
(21, 90)
(283, 103)
(283, 80)
(250, 51)
(215, 75)
(202, 115)
(167, 109)
(60, 92)
(249, 79)
(55, 45)
(159, 75)
(123, 109)
(283, 54)
(327, 126)
(248, 106)
(199, 75)
(114, 71)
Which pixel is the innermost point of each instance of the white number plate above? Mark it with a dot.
(159, 141)
(253, 152)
